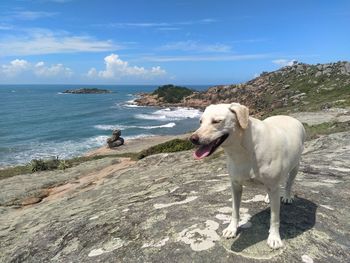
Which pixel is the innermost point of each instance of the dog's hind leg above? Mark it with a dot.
(287, 197)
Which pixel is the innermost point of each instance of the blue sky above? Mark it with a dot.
(163, 41)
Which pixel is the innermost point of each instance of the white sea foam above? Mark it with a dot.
(125, 127)
(137, 136)
(132, 106)
(168, 114)
(47, 150)
(131, 101)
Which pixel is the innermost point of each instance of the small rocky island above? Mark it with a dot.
(87, 91)
(166, 95)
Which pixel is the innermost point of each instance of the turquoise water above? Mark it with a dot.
(38, 121)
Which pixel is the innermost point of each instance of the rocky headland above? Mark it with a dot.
(300, 87)
(87, 91)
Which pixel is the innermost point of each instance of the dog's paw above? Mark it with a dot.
(229, 232)
(287, 199)
(274, 241)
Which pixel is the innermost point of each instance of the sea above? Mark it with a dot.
(41, 122)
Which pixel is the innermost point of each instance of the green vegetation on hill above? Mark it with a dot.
(300, 87)
(172, 94)
(314, 131)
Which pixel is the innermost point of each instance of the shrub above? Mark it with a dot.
(63, 165)
(37, 165)
(172, 94)
(175, 145)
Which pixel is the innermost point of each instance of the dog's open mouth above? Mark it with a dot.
(208, 149)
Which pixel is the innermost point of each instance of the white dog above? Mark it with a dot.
(267, 152)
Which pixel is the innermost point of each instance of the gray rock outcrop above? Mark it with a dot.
(171, 208)
(115, 140)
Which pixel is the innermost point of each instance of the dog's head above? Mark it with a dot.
(217, 123)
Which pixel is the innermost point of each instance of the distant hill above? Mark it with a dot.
(299, 87)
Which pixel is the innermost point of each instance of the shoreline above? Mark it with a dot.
(135, 145)
(129, 146)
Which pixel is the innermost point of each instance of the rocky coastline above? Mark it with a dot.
(299, 87)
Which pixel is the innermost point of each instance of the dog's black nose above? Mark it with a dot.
(194, 139)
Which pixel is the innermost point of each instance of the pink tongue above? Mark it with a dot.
(202, 152)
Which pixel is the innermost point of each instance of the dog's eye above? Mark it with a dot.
(215, 121)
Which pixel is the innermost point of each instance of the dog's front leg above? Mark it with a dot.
(231, 230)
(274, 239)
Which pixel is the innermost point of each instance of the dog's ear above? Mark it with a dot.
(242, 113)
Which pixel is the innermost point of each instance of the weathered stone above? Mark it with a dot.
(347, 67)
(117, 133)
(115, 140)
(118, 142)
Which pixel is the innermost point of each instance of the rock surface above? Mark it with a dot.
(171, 208)
(115, 140)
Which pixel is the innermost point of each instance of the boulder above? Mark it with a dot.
(115, 140)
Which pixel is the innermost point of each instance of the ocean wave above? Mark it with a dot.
(125, 127)
(132, 106)
(46, 150)
(131, 101)
(168, 114)
(139, 136)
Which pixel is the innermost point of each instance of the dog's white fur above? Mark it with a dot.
(267, 152)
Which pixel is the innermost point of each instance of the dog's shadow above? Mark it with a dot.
(295, 220)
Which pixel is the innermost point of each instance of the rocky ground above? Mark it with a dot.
(172, 208)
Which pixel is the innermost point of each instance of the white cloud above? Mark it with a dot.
(168, 28)
(116, 68)
(161, 24)
(19, 67)
(15, 67)
(59, 1)
(41, 70)
(283, 62)
(42, 41)
(92, 73)
(5, 26)
(206, 58)
(30, 15)
(196, 46)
